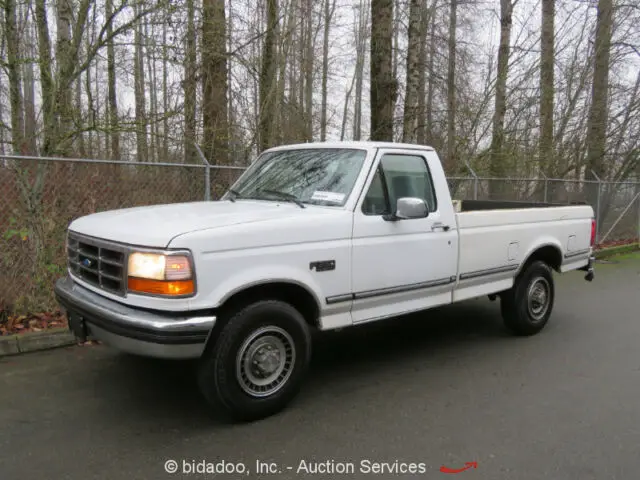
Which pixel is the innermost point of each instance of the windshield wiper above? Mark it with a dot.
(284, 196)
(234, 194)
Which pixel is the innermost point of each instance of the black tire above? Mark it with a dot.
(527, 306)
(229, 379)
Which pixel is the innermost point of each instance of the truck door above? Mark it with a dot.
(403, 265)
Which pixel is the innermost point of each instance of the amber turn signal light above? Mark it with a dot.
(161, 287)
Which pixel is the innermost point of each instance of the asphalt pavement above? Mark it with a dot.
(448, 387)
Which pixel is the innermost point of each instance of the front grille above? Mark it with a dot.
(97, 262)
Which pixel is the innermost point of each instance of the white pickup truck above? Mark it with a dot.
(314, 236)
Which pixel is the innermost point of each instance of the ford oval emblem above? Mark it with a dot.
(86, 262)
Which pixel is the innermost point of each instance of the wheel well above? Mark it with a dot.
(549, 254)
(291, 293)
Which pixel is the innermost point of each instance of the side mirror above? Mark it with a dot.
(408, 208)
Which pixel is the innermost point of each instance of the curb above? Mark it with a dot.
(611, 251)
(36, 341)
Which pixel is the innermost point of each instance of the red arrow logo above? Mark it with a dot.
(467, 466)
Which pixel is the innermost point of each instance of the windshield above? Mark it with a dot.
(320, 176)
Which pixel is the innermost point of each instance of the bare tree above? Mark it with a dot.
(268, 76)
(65, 56)
(598, 114)
(214, 81)
(111, 91)
(140, 96)
(190, 83)
(383, 83)
(361, 48)
(308, 65)
(15, 80)
(329, 8)
(29, 86)
(431, 28)
(46, 79)
(425, 18)
(165, 91)
(410, 120)
(451, 88)
(497, 166)
(149, 49)
(547, 46)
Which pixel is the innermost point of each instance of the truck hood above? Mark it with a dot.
(157, 225)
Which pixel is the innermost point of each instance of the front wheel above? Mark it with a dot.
(527, 306)
(258, 362)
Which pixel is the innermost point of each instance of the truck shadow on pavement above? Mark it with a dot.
(343, 362)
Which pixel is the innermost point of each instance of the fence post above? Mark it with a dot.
(475, 180)
(595, 175)
(207, 173)
(546, 179)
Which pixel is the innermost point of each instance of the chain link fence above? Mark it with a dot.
(41, 196)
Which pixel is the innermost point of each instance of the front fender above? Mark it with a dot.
(260, 275)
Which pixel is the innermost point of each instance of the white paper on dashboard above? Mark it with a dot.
(328, 196)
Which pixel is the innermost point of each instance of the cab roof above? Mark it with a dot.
(352, 144)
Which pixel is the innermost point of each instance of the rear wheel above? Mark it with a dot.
(527, 306)
(258, 362)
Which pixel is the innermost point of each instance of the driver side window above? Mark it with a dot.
(398, 176)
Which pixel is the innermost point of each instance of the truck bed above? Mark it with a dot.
(495, 238)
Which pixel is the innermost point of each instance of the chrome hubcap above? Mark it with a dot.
(538, 298)
(265, 361)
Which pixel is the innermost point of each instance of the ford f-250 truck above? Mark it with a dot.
(314, 236)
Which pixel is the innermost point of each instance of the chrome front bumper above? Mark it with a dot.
(148, 333)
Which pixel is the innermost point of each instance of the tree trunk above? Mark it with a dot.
(425, 15)
(451, 161)
(237, 151)
(547, 55)
(383, 83)
(410, 118)
(329, 8)
(301, 68)
(46, 80)
(361, 48)
(91, 117)
(497, 163)
(190, 87)
(82, 149)
(308, 73)
(283, 40)
(149, 54)
(30, 119)
(345, 107)
(15, 81)
(268, 77)
(214, 81)
(431, 29)
(111, 89)
(165, 96)
(396, 37)
(2, 136)
(98, 109)
(598, 114)
(142, 145)
(63, 103)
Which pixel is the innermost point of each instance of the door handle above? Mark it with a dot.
(441, 225)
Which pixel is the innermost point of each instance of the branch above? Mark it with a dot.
(102, 40)
(628, 45)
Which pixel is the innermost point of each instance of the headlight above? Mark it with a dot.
(160, 274)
